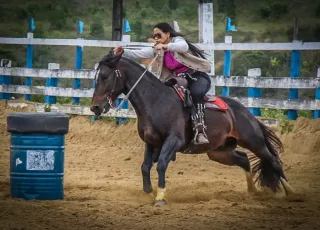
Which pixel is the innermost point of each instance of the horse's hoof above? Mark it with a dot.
(296, 197)
(160, 203)
(148, 189)
(252, 190)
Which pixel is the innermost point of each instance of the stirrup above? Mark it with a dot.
(200, 137)
(198, 122)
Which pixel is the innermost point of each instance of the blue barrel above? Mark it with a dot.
(37, 150)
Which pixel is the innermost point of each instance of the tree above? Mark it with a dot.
(173, 4)
(96, 30)
(156, 4)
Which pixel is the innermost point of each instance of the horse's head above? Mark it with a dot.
(109, 84)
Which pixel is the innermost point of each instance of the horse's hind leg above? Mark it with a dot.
(271, 172)
(269, 165)
(235, 158)
(241, 159)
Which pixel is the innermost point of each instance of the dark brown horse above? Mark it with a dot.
(164, 125)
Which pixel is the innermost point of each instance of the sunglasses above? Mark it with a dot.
(157, 36)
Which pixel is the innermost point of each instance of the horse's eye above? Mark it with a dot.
(105, 75)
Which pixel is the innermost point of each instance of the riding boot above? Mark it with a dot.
(199, 127)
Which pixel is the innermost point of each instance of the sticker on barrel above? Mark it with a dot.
(40, 160)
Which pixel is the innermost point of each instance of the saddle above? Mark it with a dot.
(212, 102)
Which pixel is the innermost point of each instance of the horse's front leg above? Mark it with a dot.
(150, 157)
(168, 151)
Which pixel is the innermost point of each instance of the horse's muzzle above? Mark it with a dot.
(96, 109)
(99, 109)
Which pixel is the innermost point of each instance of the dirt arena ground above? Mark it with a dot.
(103, 186)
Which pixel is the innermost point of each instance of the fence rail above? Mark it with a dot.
(215, 46)
(49, 91)
(48, 73)
(232, 81)
(129, 113)
(254, 81)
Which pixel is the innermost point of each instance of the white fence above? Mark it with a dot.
(233, 81)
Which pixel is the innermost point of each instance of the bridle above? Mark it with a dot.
(109, 97)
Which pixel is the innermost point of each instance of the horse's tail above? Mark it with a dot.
(268, 173)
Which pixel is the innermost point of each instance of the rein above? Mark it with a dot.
(128, 94)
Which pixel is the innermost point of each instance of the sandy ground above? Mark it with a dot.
(103, 186)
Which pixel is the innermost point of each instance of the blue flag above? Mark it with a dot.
(80, 26)
(31, 24)
(126, 26)
(229, 26)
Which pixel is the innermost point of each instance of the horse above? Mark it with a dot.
(164, 125)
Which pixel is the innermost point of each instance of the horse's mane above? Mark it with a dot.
(107, 60)
(149, 76)
(137, 65)
(110, 61)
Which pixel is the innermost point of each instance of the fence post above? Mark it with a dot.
(316, 113)
(5, 80)
(78, 62)
(206, 31)
(295, 67)
(254, 92)
(29, 55)
(52, 82)
(125, 105)
(294, 72)
(227, 65)
(227, 55)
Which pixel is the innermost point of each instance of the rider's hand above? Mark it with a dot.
(161, 46)
(118, 49)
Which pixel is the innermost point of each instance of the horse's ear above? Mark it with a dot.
(116, 57)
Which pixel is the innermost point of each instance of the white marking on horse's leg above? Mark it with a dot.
(251, 187)
(161, 192)
(287, 188)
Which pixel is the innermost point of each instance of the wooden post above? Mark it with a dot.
(52, 82)
(117, 20)
(316, 113)
(29, 56)
(254, 92)
(294, 71)
(206, 32)
(5, 80)
(78, 62)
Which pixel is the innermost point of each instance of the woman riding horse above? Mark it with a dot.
(166, 132)
(179, 59)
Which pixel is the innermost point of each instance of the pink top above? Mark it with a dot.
(172, 64)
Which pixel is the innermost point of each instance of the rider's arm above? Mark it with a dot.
(178, 45)
(142, 53)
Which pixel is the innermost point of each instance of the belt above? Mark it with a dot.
(187, 74)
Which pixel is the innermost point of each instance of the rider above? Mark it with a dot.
(179, 58)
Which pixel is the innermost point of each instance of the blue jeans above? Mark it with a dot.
(200, 87)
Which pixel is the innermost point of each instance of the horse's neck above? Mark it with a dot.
(147, 91)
